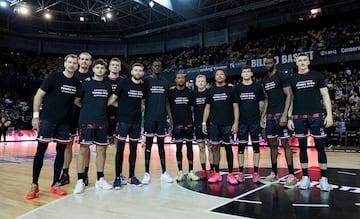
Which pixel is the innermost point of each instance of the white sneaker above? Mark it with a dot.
(79, 187)
(146, 179)
(304, 183)
(102, 184)
(324, 184)
(166, 178)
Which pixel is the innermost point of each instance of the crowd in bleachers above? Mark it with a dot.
(22, 72)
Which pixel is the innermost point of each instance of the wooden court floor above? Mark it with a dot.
(157, 200)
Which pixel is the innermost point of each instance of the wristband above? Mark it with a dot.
(36, 115)
(290, 118)
(203, 123)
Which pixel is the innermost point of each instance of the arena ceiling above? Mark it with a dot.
(134, 18)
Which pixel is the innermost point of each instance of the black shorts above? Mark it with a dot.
(93, 134)
(49, 131)
(304, 123)
(220, 134)
(183, 132)
(157, 128)
(124, 129)
(245, 129)
(200, 136)
(273, 128)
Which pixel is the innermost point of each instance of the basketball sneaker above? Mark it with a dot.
(166, 178)
(117, 183)
(192, 176)
(304, 183)
(79, 187)
(64, 179)
(215, 177)
(203, 175)
(102, 184)
(324, 184)
(146, 179)
(55, 189)
(134, 181)
(291, 181)
(270, 179)
(123, 179)
(180, 176)
(255, 177)
(241, 177)
(231, 179)
(34, 190)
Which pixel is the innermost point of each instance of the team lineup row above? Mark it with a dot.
(113, 105)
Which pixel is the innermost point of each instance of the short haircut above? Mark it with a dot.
(220, 69)
(137, 64)
(115, 59)
(200, 76)
(246, 67)
(272, 58)
(303, 54)
(100, 62)
(70, 56)
(85, 53)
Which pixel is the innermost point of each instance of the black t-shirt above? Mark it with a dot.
(114, 82)
(94, 96)
(181, 102)
(200, 98)
(249, 97)
(273, 86)
(306, 90)
(221, 101)
(129, 101)
(82, 76)
(58, 102)
(155, 99)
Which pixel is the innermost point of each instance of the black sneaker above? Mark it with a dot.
(117, 183)
(133, 180)
(64, 179)
(86, 180)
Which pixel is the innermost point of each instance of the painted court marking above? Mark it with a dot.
(312, 205)
(347, 173)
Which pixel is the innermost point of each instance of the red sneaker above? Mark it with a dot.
(33, 191)
(231, 179)
(255, 177)
(203, 175)
(55, 189)
(241, 177)
(215, 177)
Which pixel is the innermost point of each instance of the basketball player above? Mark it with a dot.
(55, 97)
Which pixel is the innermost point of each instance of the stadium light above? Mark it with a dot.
(81, 18)
(151, 4)
(47, 16)
(4, 4)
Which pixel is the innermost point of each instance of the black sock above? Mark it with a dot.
(66, 170)
(80, 176)
(86, 170)
(212, 166)
(291, 169)
(241, 169)
(274, 168)
(217, 168)
(100, 174)
(256, 169)
(203, 166)
(323, 173)
(305, 172)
